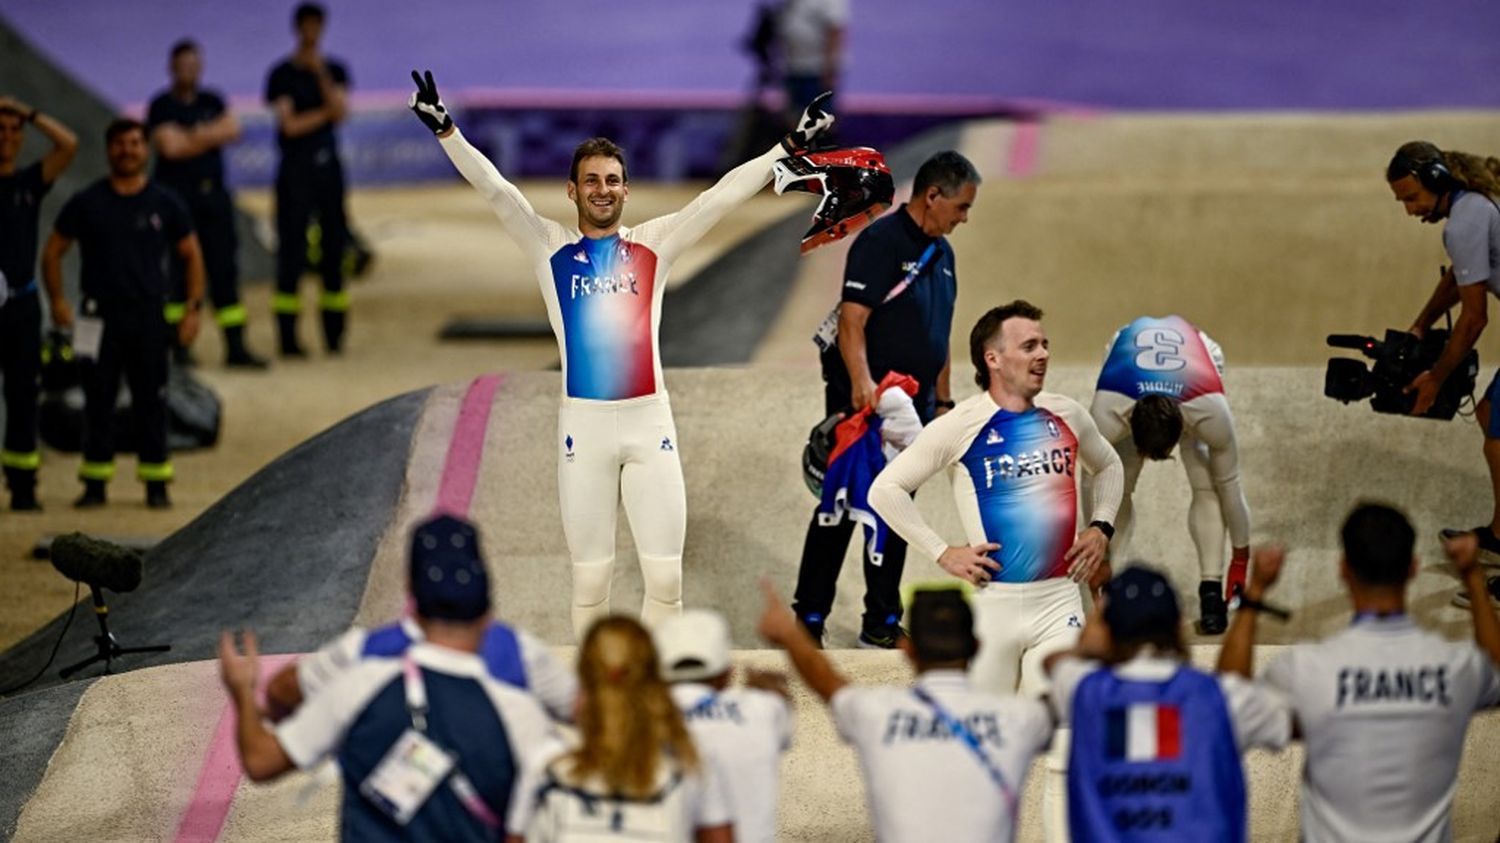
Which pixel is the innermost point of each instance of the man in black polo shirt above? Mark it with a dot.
(908, 334)
(21, 192)
(309, 95)
(188, 126)
(127, 227)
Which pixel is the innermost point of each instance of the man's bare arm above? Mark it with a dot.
(261, 754)
(1237, 656)
(335, 94)
(52, 255)
(64, 146)
(780, 627)
(852, 348)
(176, 142)
(1443, 297)
(296, 124)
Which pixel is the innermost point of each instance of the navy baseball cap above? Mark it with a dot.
(1139, 603)
(448, 580)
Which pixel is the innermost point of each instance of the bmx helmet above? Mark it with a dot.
(855, 184)
(820, 442)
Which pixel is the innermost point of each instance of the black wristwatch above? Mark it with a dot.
(945, 405)
(1105, 527)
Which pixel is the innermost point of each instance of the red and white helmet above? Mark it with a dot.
(855, 184)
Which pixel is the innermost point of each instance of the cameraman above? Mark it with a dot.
(1436, 185)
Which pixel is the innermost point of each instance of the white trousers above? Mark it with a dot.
(1019, 625)
(610, 452)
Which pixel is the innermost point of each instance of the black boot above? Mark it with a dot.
(1213, 615)
(333, 330)
(93, 495)
(22, 483)
(236, 355)
(286, 328)
(156, 495)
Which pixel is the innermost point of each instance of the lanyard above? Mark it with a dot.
(912, 274)
(416, 706)
(970, 740)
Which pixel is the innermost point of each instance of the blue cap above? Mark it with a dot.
(1139, 603)
(448, 580)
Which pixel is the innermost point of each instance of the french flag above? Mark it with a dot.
(1144, 732)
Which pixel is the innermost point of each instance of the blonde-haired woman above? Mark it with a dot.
(633, 773)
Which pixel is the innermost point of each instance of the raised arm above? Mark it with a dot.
(672, 234)
(1463, 552)
(64, 142)
(1237, 654)
(334, 87)
(261, 754)
(780, 627)
(535, 234)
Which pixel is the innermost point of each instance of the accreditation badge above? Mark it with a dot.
(405, 778)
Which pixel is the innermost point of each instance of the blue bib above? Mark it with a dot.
(1154, 761)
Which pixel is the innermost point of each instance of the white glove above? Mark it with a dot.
(899, 424)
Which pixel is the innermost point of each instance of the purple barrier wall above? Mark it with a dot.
(389, 145)
(1143, 54)
(665, 77)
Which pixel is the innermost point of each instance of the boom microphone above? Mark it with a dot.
(96, 563)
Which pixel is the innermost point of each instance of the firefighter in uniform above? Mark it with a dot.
(126, 226)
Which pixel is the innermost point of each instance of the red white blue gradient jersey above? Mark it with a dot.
(1160, 356)
(604, 295)
(1169, 356)
(1016, 481)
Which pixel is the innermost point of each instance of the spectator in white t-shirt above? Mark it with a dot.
(634, 772)
(741, 731)
(1382, 705)
(941, 760)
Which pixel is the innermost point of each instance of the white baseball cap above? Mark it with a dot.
(693, 646)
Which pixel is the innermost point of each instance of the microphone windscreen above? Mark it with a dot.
(96, 562)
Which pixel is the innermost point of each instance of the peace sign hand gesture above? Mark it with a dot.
(428, 106)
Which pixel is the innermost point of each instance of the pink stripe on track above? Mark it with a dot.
(1025, 145)
(466, 448)
(219, 778)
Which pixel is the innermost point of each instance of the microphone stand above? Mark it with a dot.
(109, 648)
